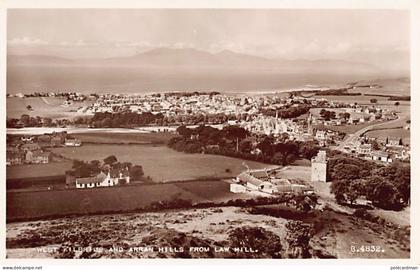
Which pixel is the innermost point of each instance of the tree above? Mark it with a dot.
(136, 173)
(245, 146)
(110, 160)
(355, 190)
(290, 158)
(24, 119)
(279, 158)
(344, 115)
(298, 236)
(267, 243)
(339, 188)
(375, 145)
(345, 171)
(107, 122)
(373, 100)
(385, 195)
(184, 131)
(84, 169)
(47, 122)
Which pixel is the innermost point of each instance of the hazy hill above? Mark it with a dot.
(192, 59)
(165, 69)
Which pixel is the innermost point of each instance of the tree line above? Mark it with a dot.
(235, 141)
(388, 187)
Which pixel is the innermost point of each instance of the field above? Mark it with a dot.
(390, 86)
(210, 190)
(296, 172)
(364, 100)
(400, 132)
(37, 204)
(124, 138)
(42, 106)
(162, 163)
(38, 170)
(348, 129)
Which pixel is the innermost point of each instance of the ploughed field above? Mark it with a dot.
(162, 163)
(27, 205)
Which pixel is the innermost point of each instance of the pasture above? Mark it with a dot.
(162, 163)
(398, 132)
(43, 107)
(42, 204)
(38, 170)
(124, 138)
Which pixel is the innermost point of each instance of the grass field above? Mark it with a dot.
(383, 133)
(162, 163)
(210, 190)
(44, 107)
(32, 205)
(348, 129)
(37, 170)
(126, 138)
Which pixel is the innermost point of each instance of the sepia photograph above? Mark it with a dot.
(160, 133)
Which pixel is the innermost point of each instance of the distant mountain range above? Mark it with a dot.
(192, 59)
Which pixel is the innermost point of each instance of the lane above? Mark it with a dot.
(353, 137)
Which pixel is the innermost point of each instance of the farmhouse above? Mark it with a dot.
(364, 149)
(112, 178)
(15, 158)
(37, 157)
(236, 188)
(96, 181)
(254, 183)
(30, 147)
(394, 141)
(72, 142)
(381, 156)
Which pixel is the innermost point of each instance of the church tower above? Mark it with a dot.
(309, 122)
(319, 167)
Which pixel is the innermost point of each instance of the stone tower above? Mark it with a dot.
(319, 167)
(310, 130)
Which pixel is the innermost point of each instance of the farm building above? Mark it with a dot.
(253, 183)
(381, 156)
(96, 181)
(72, 142)
(103, 180)
(37, 157)
(364, 149)
(236, 188)
(14, 158)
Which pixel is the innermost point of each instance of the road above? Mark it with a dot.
(351, 138)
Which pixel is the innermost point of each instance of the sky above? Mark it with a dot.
(274, 33)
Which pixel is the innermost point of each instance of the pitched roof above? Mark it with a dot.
(31, 146)
(245, 177)
(380, 154)
(94, 179)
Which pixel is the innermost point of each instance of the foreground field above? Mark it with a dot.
(141, 236)
(162, 163)
(39, 204)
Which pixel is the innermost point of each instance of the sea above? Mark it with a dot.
(28, 79)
